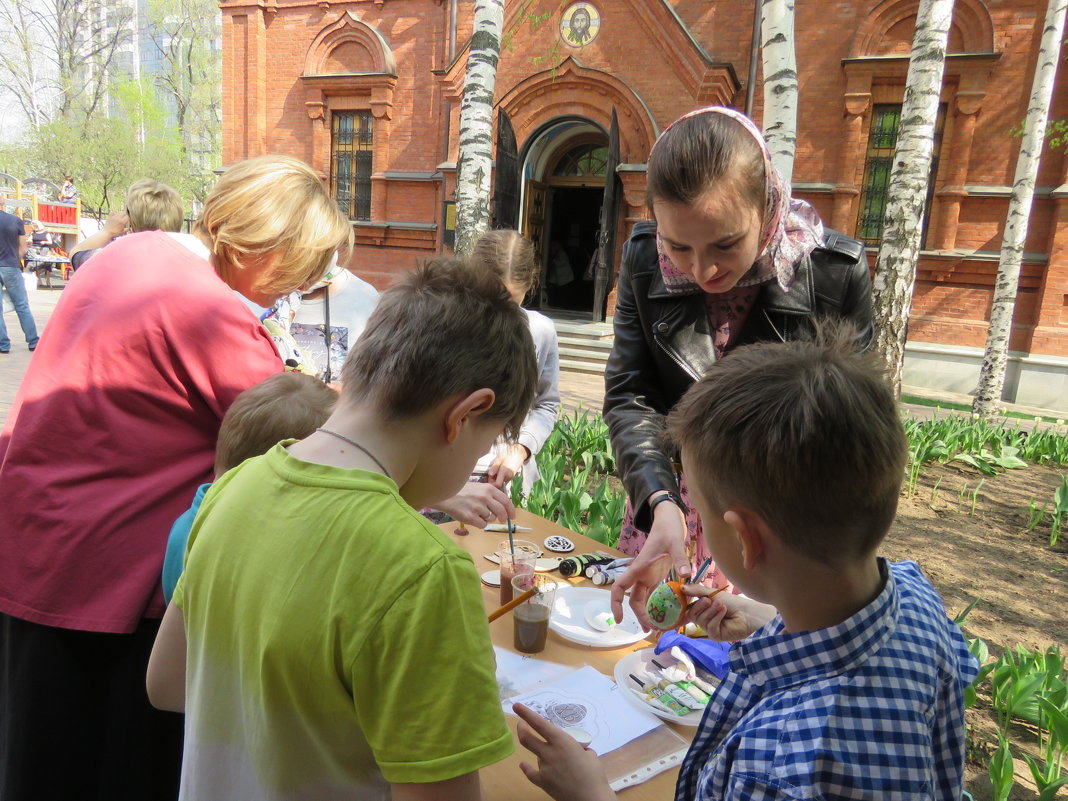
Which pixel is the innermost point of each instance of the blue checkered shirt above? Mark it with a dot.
(872, 708)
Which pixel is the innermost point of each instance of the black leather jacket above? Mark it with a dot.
(663, 344)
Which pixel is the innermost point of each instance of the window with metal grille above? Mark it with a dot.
(350, 162)
(879, 160)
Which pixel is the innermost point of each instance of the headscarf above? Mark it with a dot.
(790, 228)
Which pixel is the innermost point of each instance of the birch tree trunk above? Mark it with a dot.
(780, 84)
(906, 196)
(987, 401)
(475, 161)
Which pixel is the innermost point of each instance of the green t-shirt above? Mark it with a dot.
(336, 640)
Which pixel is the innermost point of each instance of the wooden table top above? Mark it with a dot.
(505, 780)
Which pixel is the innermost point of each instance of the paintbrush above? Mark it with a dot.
(511, 537)
(512, 604)
(700, 571)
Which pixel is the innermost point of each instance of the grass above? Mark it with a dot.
(916, 400)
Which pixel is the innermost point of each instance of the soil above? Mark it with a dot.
(987, 553)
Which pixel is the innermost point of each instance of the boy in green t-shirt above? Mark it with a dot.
(325, 640)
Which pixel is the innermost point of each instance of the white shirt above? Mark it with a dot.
(351, 302)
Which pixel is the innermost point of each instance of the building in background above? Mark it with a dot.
(369, 94)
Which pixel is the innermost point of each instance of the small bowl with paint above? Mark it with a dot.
(599, 615)
(666, 605)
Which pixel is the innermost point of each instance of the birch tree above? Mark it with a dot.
(987, 401)
(62, 50)
(475, 161)
(895, 271)
(780, 84)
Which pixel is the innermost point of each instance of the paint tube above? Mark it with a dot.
(575, 565)
(691, 670)
(603, 574)
(652, 701)
(676, 692)
(662, 696)
(591, 569)
(687, 683)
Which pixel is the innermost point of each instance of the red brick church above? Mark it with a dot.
(368, 92)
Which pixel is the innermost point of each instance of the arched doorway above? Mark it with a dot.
(565, 166)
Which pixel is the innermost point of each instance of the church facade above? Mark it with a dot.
(368, 92)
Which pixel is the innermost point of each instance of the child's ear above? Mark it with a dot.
(751, 531)
(465, 408)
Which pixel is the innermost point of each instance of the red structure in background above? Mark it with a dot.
(57, 214)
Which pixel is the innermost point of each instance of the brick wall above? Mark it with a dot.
(268, 108)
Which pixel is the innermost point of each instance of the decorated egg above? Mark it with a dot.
(666, 604)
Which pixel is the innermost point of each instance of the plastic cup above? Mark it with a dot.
(522, 561)
(530, 620)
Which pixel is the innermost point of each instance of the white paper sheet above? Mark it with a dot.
(518, 672)
(588, 700)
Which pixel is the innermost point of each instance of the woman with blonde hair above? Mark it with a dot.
(112, 430)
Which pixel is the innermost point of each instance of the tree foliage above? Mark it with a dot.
(106, 154)
(57, 56)
(186, 34)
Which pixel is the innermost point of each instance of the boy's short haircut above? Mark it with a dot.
(152, 206)
(449, 327)
(807, 434)
(283, 406)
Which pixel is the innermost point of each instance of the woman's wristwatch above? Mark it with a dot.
(667, 495)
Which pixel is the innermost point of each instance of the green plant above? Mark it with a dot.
(574, 489)
(934, 490)
(987, 462)
(1060, 509)
(1001, 770)
(975, 496)
(1058, 515)
(1031, 686)
(1034, 514)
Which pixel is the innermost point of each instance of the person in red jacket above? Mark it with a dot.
(112, 430)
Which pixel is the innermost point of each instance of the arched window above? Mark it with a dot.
(583, 161)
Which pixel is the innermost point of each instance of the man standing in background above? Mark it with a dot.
(12, 249)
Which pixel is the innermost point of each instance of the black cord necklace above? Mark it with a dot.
(355, 444)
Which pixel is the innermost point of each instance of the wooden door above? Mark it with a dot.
(506, 175)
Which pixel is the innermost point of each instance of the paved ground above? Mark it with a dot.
(13, 364)
(576, 389)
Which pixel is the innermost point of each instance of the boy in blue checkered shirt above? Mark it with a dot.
(847, 678)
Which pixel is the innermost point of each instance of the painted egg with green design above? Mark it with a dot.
(666, 604)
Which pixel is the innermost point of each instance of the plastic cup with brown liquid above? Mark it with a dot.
(531, 618)
(515, 562)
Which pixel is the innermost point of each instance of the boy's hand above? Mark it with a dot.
(507, 464)
(727, 618)
(479, 505)
(566, 770)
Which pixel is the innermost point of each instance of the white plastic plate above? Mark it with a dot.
(639, 662)
(569, 619)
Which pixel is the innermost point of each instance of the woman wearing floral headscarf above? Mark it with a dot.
(731, 259)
